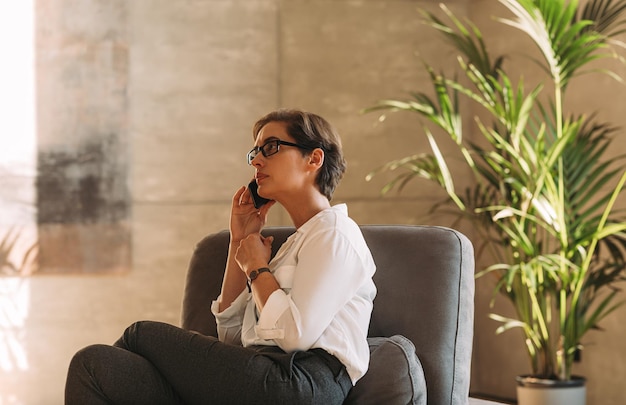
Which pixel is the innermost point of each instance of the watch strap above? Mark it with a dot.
(254, 274)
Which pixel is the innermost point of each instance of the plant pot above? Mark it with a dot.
(539, 391)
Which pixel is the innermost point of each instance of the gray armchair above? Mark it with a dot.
(425, 281)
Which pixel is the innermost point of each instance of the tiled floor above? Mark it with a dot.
(476, 401)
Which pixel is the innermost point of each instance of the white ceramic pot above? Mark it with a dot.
(538, 391)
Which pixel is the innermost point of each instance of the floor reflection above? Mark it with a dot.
(14, 309)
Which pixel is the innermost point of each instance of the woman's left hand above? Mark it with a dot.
(254, 252)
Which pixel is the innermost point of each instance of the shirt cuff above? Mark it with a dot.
(275, 306)
(233, 315)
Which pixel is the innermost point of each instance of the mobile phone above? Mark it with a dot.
(256, 198)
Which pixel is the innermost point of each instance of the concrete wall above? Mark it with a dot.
(180, 83)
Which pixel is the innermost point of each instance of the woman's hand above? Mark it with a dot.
(254, 252)
(245, 219)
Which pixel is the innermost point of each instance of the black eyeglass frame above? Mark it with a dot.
(255, 151)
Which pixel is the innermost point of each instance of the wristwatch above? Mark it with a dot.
(255, 273)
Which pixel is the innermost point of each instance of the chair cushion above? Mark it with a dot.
(395, 375)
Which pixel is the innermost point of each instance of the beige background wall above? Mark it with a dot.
(199, 73)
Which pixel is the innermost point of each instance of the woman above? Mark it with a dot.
(292, 330)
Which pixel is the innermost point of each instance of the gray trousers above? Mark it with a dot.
(157, 363)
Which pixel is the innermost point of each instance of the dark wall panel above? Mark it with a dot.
(83, 196)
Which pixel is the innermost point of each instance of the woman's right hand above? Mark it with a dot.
(245, 219)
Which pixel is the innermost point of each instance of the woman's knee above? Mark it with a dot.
(142, 334)
(129, 337)
(87, 360)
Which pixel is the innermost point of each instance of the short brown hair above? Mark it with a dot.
(312, 131)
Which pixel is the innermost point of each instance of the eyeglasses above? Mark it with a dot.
(272, 147)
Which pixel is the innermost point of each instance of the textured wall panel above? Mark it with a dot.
(201, 73)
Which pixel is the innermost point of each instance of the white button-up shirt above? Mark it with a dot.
(325, 273)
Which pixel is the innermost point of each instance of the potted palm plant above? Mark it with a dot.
(544, 188)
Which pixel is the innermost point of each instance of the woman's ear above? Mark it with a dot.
(316, 158)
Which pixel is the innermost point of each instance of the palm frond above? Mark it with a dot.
(467, 39)
(605, 15)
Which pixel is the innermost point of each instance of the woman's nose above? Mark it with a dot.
(256, 160)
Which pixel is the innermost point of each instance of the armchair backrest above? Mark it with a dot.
(425, 281)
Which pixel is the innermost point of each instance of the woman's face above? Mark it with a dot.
(283, 172)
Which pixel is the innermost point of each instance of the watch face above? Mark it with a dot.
(255, 273)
